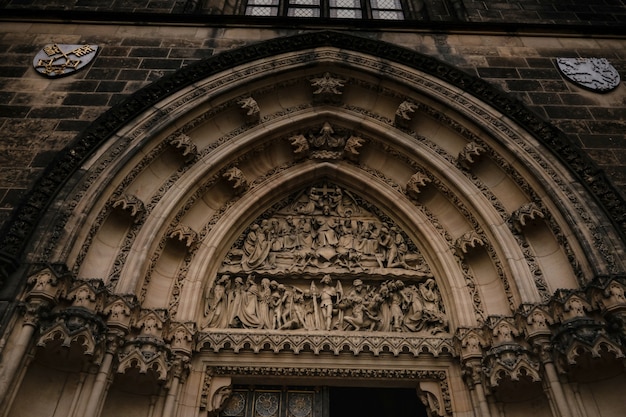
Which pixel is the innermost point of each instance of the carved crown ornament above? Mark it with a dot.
(327, 142)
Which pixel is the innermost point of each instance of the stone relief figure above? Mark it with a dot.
(324, 227)
(216, 303)
(387, 306)
(288, 269)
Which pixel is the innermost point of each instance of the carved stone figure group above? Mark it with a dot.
(385, 306)
(323, 228)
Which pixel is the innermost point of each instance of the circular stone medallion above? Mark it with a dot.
(595, 74)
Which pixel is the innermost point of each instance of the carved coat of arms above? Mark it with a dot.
(595, 74)
(57, 60)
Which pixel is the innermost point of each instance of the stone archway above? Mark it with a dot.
(297, 159)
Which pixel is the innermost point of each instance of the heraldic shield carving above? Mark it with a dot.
(58, 60)
(325, 260)
(595, 74)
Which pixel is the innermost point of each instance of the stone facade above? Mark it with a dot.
(214, 203)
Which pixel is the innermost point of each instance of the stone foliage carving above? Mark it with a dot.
(470, 154)
(185, 234)
(327, 88)
(525, 215)
(185, 146)
(416, 183)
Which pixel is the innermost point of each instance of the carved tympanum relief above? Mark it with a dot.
(325, 260)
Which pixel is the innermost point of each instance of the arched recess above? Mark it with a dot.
(490, 202)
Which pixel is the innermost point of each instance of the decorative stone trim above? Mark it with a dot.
(441, 377)
(524, 215)
(319, 342)
(185, 234)
(236, 179)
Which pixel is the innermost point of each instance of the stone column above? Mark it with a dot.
(98, 389)
(552, 379)
(178, 374)
(473, 379)
(42, 295)
(13, 357)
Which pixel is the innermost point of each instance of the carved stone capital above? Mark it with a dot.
(472, 372)
(471, 343)
(180, 336)
(85, 294)
(43, 286)
(538, 321)
(119, 310)
(503, 330)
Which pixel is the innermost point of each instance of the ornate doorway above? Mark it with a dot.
(323, 402)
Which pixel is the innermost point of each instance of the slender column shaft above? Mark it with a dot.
(557, 390)
(99, 385)
(170, 400)
(13, 360)
(482, 400)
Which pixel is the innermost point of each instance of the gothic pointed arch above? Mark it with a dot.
(324, 194)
